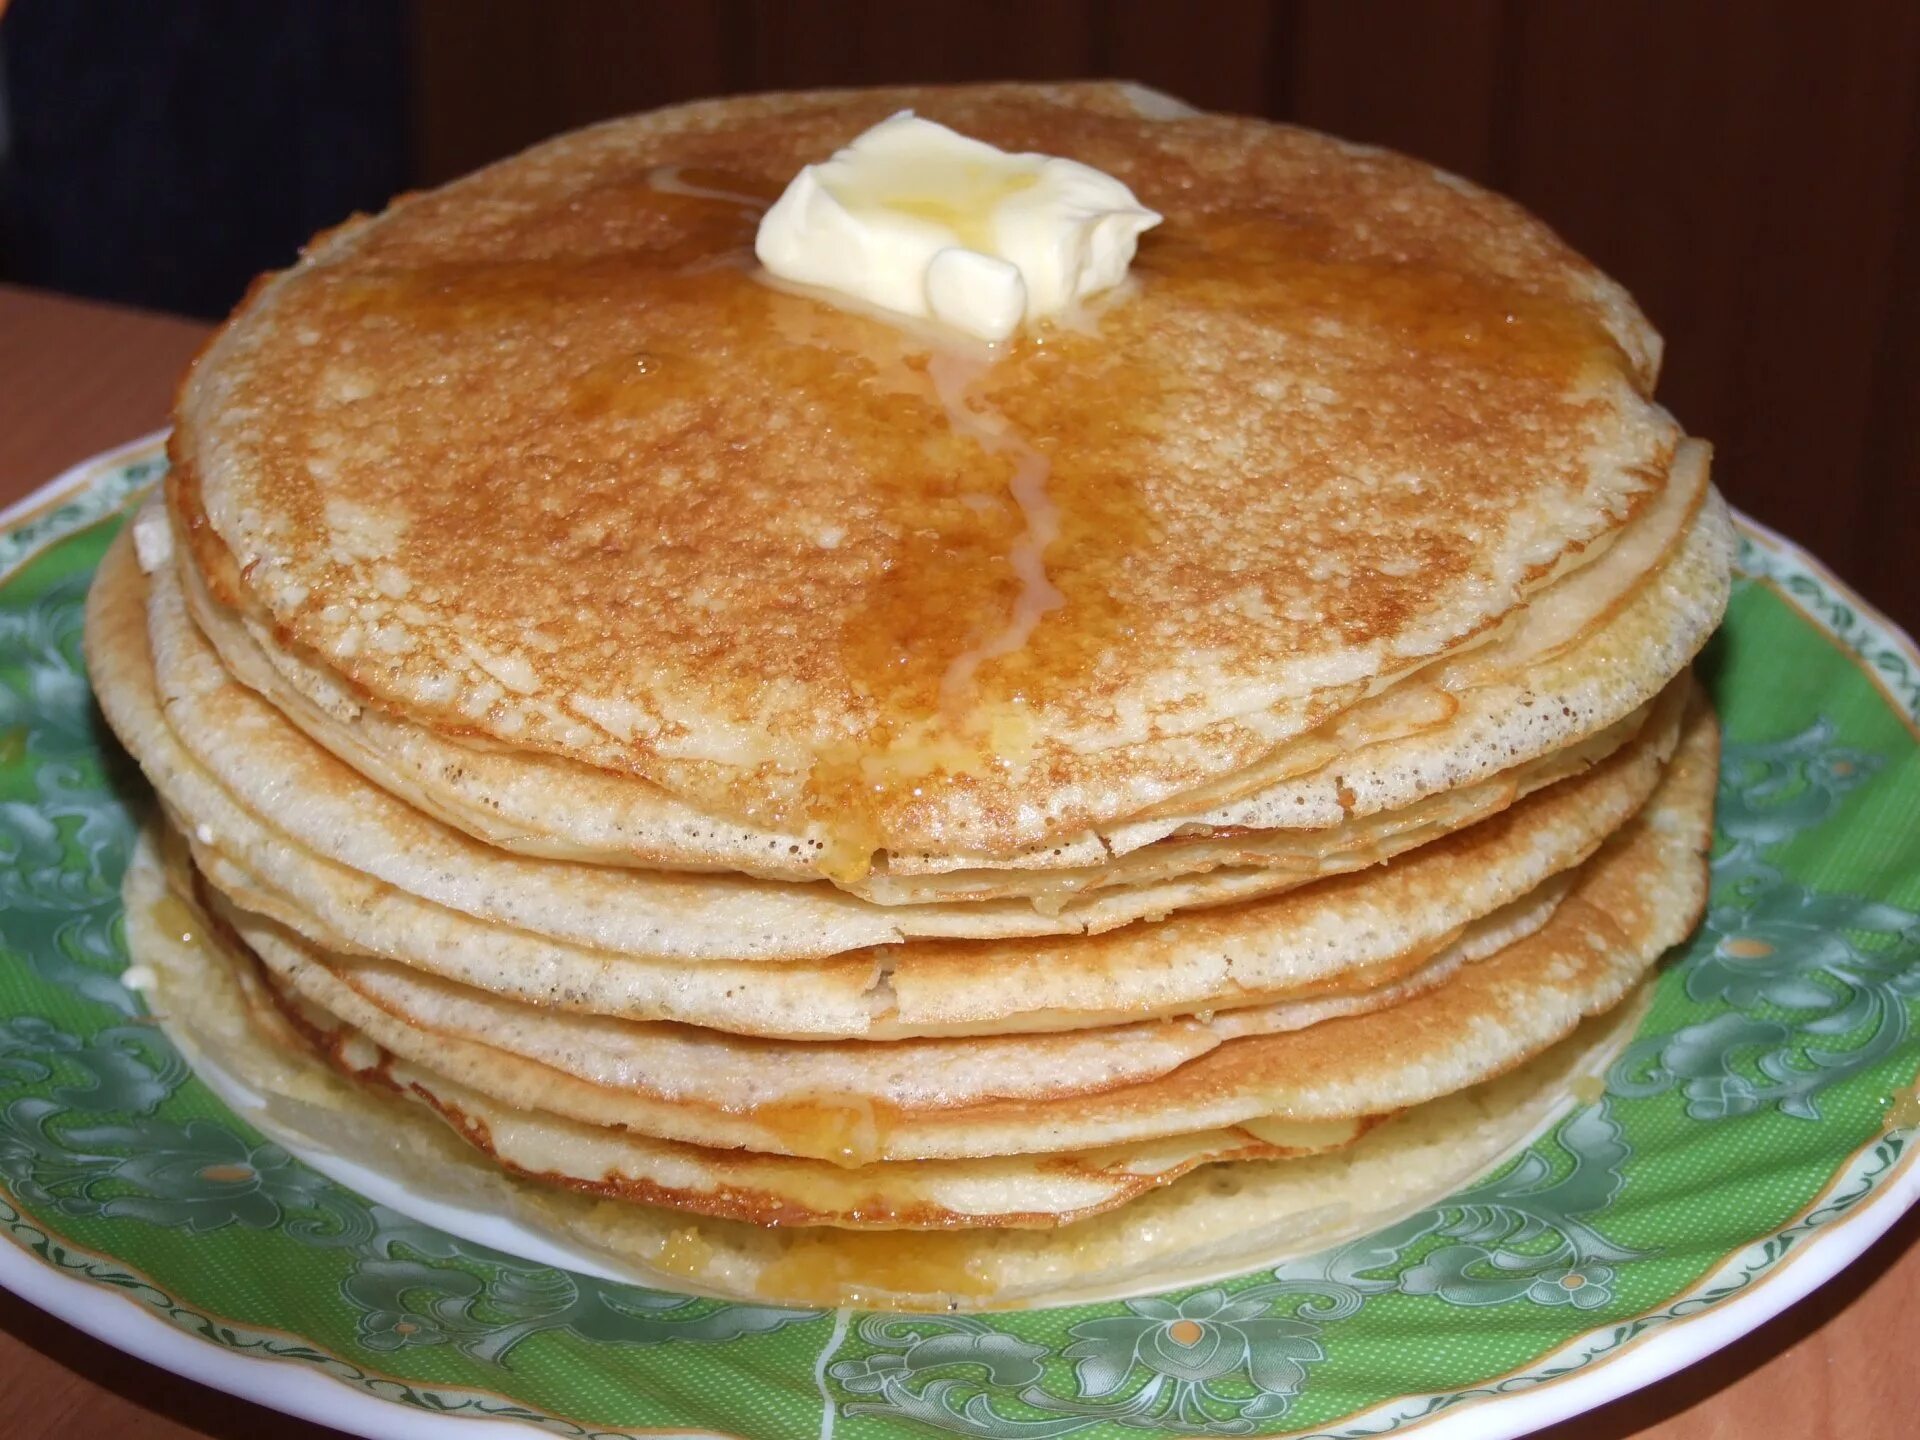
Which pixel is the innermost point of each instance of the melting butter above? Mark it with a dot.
(954, 376)
(922, 221)
(672, 180)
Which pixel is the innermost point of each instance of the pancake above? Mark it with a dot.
(1233, 956)
(247, 747)
(663, 1065)
(1230, 1217)
(644, 589)
(1635, 615)
(233, 760)
(1414, 1040)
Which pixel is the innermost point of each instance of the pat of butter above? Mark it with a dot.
(921, 220)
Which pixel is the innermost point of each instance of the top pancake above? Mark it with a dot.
(535, 460)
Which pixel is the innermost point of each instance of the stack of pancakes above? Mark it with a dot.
(788, 784)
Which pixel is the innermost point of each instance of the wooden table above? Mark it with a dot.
(76, 378)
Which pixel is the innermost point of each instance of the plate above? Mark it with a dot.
(1756, 1135)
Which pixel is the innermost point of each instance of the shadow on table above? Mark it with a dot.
(41, 1404)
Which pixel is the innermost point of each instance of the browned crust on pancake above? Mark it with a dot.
(1624, 909)
(1280, 202)
(722, 1200)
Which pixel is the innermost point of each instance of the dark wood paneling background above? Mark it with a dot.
(1750, 168)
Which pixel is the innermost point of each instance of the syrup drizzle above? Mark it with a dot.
(954, 374)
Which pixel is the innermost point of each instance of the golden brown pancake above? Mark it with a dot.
(858, 1102)
(530, 460)
(1582, 655)
(554, 1091)
(272, 859)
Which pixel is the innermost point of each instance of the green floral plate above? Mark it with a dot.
(1755, 1137)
